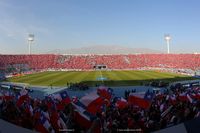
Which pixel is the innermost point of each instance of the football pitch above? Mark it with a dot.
(93, 78)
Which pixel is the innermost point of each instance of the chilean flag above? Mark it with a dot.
(63, 97)
(105, 92)
(82, 117)
(50, 102)
(80, 108)
(183, 96)
(43, 124)
(186, 97)
(22, 97)
(7, 96)
(121, 103)
(142, 99)
(28, 109)
(93, 102)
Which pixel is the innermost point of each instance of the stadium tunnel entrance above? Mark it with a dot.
(100, 67)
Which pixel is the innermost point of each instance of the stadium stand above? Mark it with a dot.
(87, 62)
(100, 111)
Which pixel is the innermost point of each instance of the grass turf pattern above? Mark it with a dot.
(113, 78)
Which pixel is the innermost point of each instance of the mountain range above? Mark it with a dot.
(104, 49)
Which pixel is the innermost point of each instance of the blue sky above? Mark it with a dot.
(62, 24)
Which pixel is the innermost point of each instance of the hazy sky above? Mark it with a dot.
(62, 24)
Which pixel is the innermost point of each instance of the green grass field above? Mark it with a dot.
(114, 78)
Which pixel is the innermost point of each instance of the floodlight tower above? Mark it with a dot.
(167, 39)
(30, 41)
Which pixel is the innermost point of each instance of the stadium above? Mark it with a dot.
(48, 76)
(58, 70)
(62, 83)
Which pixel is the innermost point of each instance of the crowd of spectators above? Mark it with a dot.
(167, 109)
(87, 62)
(35, 114)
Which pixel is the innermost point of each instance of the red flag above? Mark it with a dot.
(121, 103)
(8, 96)
(22, 97)
(93, 102)
(21, 100)
(141, 99)
(63, 97)
(85, 119)
(54, 117)
(183, 97)
(104, 92)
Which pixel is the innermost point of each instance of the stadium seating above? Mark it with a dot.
(87, 62)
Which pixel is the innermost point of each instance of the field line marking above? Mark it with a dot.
(101, 77)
